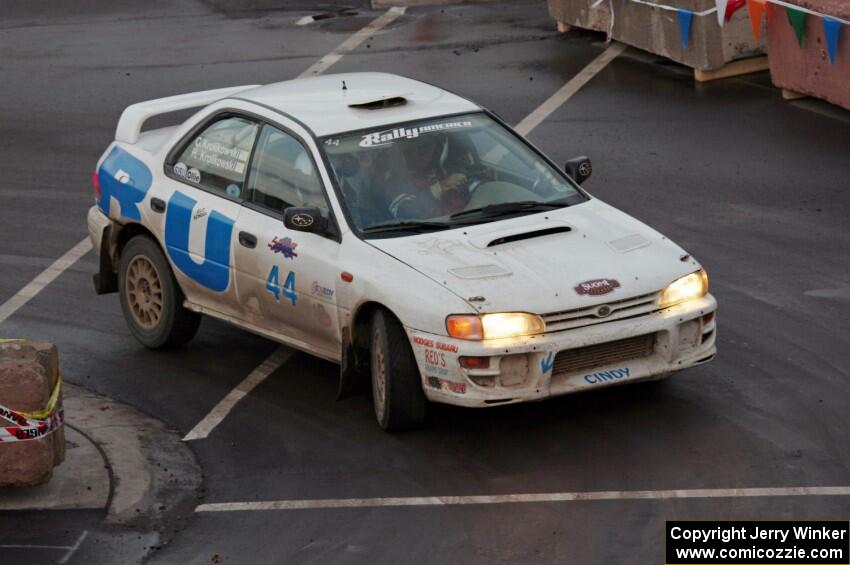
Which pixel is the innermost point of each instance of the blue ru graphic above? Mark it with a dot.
(214, 271)
(547, 363)
(130, 193)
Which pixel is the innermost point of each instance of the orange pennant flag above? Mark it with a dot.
(756, 10)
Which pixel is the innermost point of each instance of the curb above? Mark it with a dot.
(120, 460)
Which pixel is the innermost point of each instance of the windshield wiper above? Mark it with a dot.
(508, 208)
(407, 225)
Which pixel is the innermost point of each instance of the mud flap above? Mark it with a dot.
(353, 377)
(106, 279)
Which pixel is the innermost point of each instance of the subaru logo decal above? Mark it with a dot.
(302, 220)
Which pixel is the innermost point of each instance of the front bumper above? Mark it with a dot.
(649, 347)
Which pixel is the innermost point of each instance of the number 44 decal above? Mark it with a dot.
(273, 285)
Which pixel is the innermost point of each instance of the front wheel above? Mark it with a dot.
(396, 386)
(151, 299)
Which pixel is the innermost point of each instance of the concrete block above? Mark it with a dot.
(806, 70)
(656, 30)
(28, 374)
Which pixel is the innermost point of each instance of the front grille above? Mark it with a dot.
(602, 354)
(586, 316)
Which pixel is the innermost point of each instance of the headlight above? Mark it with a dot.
(686, 288)
(494, 326)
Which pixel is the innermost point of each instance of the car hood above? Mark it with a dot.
(538, 262)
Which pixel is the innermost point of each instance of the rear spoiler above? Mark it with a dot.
(130, 125)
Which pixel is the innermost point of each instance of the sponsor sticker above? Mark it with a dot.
(423, 341)
(607, 376)
(385, 137)
(596, 287)
(180, 169)
(445, 385)
(317, 289)
(547, 363)
(284, 246)
(193, 175)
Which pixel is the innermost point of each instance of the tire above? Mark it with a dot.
(396, 384)
(151, 299)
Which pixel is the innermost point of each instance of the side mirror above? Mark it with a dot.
(308, 219)
(579, 169)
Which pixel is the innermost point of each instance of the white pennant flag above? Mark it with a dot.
(721, 11)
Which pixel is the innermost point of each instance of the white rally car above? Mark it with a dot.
(396, 229)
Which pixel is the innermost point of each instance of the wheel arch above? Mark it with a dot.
(128, 232)
(115, 238)
(355, 364)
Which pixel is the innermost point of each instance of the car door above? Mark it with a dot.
(206, 173)
(286, 280)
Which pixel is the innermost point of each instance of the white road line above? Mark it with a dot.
(520, 498)
(27, 546)
(572, 86)
(223, 408)
(353, 41)
(44, 278)
(73, 549)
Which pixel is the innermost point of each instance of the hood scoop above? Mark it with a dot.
(528, 235)
(380, 103)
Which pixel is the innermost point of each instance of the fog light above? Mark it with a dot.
(475, 362)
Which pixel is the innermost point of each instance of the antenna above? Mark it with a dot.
(343, 86)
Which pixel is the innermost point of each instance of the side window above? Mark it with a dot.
(217, 159)
(283, 174)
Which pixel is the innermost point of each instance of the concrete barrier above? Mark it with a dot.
(29, 371)
(806, 70)
(710, 47)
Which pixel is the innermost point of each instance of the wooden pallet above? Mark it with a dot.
(733, 69)
(792, 94)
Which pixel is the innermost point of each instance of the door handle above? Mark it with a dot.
(247, 239)
(158, 205)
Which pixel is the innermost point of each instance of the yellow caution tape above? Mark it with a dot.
(48, 410)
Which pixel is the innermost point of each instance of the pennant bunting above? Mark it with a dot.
(733, 6)
(798, 22)
(685, 18)
(831, 31)
(721, 11)
(756, 9)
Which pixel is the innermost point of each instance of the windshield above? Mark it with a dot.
(441, 172)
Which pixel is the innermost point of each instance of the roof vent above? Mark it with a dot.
(380, 104)
(528, 235)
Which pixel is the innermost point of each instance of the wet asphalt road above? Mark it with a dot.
(755, 187)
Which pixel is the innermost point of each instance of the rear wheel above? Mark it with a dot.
(150, 297)
(396, 385)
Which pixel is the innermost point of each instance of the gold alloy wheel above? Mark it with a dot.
(379, 375)
(144, 292)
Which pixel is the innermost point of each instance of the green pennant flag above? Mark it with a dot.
(798, 22)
